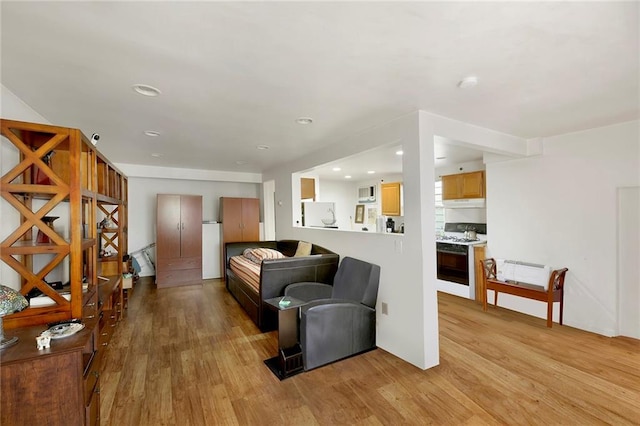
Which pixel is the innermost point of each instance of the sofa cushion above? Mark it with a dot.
(304, 249)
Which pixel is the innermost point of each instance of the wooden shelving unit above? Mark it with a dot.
(58, 168)
(59, 173)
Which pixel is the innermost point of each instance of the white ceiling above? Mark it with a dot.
(236, 75)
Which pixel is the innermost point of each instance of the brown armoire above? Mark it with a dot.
(240, 219)
(178, 240)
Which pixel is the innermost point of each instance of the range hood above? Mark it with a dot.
(465, 203)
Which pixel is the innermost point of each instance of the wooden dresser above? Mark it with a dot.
(55, 386)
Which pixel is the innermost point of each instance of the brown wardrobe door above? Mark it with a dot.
(191, 225)
(168, 226)
(232, 219)
(250, 219)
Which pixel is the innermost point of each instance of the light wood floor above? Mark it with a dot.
(190, 356)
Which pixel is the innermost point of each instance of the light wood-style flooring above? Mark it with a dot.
(190, 356)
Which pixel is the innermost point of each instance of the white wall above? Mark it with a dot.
(453, 169)
(343, 195)
(407, 282)
(12, 108)
(560, 209)
(466, 216)
(142, 202)
(629, 262)
(408, 331)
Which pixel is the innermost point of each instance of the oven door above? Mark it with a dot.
(453, 263)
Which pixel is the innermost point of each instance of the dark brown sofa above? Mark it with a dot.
(276, 274)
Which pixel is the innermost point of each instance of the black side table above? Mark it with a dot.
(288, 362)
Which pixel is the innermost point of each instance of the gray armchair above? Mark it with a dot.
(340, 320)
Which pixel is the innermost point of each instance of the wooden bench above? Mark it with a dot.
(554, 291)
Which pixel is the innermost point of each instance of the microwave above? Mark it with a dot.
(367, 194)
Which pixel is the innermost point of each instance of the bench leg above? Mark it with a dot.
(484, 300)
(495, 297)
(561, 306)
(550, 313)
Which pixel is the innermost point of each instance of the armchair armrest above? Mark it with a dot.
(308, 291)
(332, 329)
(276, 274)
(329, 306)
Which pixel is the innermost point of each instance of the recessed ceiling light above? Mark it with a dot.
(304, 120)
(146, 90)
(347, 177)
(156, 155)
(399, 152)
(152, 133)
(241, 162)
(371, 172)
(262, 147)
(468, 82)
(336, 169)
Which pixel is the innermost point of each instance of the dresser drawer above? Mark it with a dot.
(180, 263)
(91, 364)
(91, 381)
(107, 326)
(90, 308)
(170, 278)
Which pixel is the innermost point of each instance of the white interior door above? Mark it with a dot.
(269, 193)
(628, 262)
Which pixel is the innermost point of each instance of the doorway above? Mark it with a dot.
(269, 197)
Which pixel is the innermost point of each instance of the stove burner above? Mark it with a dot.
(457, 239)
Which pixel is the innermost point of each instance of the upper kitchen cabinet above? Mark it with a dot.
(391, 195)
(463, 185)
(307, 189)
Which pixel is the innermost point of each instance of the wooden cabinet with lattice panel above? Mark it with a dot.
(52, 169)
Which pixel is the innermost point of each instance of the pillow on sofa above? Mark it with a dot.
(257, 255)
(304, 249)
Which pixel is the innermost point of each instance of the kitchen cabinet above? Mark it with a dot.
(240, 219)
(463, 185)
(391, 194)
(307, 189)
(178, 240)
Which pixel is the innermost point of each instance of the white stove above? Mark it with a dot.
(455, 259)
